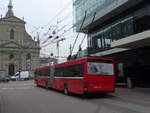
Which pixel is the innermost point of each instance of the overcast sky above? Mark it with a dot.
(41, 15)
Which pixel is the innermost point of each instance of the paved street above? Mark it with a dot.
(25, 97)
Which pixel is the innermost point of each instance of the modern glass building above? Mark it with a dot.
(118, 29)
(101, 7)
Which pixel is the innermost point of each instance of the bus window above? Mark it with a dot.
(35, 74)
(47, 72)
(74, 70)
(98, 68)
(59, 72)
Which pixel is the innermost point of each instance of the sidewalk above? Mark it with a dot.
(139, 95)
(145, 91)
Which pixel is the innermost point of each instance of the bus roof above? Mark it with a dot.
(77, 61)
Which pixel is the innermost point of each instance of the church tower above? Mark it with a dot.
(10, 11)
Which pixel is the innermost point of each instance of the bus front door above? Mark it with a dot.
(52, 70)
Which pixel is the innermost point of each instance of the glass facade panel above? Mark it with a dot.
(116, 31)
(99, 43)
(101, 40)
(124, 25)
(127, 27)
(101, 7)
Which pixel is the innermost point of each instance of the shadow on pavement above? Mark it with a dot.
(93, 96)
(85, 96)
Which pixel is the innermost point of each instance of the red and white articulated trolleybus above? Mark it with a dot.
(85, 75)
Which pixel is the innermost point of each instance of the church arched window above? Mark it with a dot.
(12, 34)
(11, 56)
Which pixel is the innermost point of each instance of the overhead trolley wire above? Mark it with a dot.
(59, 36)
(43, 27)
(72, 12)
(57, 14)
(72, 26)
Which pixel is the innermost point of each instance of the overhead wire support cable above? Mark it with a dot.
(60, 35)
(57, 14)
(49, 37)
(59, 30)
(64, 18)
(70, 27)
(42, 27)
(65, 31)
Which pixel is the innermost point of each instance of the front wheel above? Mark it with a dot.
(46, 85)
(36, 82)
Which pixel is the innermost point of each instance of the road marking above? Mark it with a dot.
(107, 110)
(17, 84)
(17, 88)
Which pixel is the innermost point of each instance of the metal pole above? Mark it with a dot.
(57, 48)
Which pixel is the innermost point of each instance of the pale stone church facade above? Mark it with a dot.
(18, 51)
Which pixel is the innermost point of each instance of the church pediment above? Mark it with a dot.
(10, 44)
(13, 19)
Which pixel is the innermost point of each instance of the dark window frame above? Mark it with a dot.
(12, 34)
(11, 56)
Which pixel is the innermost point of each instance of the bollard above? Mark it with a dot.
(129, 82)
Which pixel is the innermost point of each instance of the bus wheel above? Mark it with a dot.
(46, 85)
(66, 92)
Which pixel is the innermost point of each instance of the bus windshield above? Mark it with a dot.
(100, 68)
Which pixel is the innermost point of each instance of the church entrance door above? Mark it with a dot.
(11, 70)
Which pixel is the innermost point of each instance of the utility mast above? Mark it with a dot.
(57, 45)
